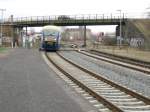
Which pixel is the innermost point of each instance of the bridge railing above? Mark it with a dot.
(67, 17)
(113, 16)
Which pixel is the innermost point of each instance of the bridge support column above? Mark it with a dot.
(26, 30)
(85, 36)
(20, 36)
(118, 36)
(17, 37)
(26, 38)
(12, 33)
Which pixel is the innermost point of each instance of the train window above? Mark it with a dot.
(50, 33)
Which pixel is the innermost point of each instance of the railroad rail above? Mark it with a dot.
(126, 59)
(115, 97)
(132, 64)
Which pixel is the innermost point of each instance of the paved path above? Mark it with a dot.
(27, 86)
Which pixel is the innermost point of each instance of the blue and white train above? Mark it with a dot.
(51, 38)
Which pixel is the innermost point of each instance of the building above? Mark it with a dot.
(75, 34)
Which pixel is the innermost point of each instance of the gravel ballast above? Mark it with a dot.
(134, 80)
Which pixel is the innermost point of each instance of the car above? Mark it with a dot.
(63, 17)
(73, 45)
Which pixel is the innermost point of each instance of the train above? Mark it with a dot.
(50, 40)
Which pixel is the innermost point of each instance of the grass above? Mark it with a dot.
(2, 49)
(127, 52)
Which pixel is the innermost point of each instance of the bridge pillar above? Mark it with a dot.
(26, 38)
(12, 32)
(19, 32)
(26, 31)
(84, 36)
(15, 37)
(118, 38)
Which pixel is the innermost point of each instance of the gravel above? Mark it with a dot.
(132, 79)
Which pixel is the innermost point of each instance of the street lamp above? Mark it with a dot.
(1, 36)
(120, 38)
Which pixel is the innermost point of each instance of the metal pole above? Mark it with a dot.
(120, 30)
(85, 36)
(120, 39)
(1, 37)
(21, 33)
(12, 31)
(26, 39)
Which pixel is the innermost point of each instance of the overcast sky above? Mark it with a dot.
(56, 7)
(20, 8)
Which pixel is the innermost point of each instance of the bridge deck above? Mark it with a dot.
(66, 20)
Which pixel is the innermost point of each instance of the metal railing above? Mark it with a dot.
(67, 17)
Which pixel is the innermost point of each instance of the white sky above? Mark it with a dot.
(22, 8)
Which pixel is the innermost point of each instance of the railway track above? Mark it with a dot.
(112, 96)
(145, 68)
(123, 59)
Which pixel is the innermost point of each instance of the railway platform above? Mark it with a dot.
(27, 84)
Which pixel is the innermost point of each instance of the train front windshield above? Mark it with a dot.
(50, 35)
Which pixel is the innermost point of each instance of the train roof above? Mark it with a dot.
(54, 28)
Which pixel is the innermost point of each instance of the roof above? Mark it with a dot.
(53, 28)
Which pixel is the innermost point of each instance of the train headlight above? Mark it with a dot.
(45, 39)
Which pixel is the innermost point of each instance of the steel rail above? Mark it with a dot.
(124, 65)
(146, 100)
(101, 99)
(126, 59)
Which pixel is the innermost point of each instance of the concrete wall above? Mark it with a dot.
(11, 36)
(134, 35)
